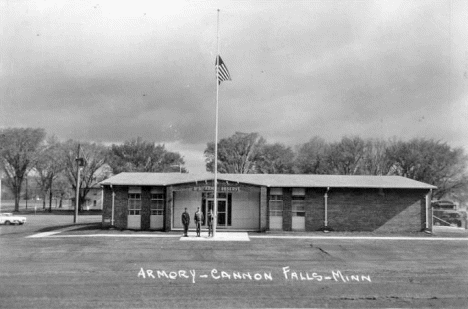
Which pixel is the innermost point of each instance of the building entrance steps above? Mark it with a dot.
(230, 236)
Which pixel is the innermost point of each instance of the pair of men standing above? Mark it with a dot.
(198, 221)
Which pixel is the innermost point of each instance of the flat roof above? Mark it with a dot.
(269, 180)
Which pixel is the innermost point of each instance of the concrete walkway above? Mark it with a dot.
(46, 234)
(362, 237)
(231, 236)
(244, 236)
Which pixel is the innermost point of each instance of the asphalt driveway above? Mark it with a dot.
(155, 272)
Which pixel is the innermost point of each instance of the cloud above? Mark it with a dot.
(112, 72)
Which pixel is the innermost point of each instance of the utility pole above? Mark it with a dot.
(77, 201)
(50, 199)
(80, 162)
(27, 194)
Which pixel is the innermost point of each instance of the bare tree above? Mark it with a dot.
(236, 154)
(311, 157)
(62, 189)
(375, 160)
(429, 161)
(18, 153)
(49, 166)
(138, 155)
(274, 159)
(94, 171)
(346, 156)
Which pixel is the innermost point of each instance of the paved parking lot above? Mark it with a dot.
(149, 272)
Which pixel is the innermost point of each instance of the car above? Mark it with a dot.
(443, 204)
(9, 218)
(448, 217)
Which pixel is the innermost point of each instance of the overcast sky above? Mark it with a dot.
(109, 71)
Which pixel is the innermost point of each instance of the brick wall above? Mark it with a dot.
(287, 209)
(376, 210)
(120, 206)
(386, 210)
(168, 209)
(145, 208)
(263, 209)
(107, 207)
(315, 209)
(267, 218)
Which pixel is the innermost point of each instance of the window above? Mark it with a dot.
(276, 205)
(157, 204)
(298, 202)
(134, 203)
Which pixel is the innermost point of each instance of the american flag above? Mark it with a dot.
(222, 71)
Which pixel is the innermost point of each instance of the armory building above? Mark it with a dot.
(261, 202)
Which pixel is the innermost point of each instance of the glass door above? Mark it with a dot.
(222, 211)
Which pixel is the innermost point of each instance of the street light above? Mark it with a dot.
(80, 163)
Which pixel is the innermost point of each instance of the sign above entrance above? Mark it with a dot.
(220, 189)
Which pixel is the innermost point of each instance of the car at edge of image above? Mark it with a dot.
(443, 204)
(8, 218)
(453, 217)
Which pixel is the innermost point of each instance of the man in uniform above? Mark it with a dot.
(185, 221)
(210, 223)
(198, 220)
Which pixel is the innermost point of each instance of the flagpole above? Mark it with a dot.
(215, 184)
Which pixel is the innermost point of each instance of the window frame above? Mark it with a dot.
(276, 205)
(134, 204)
(157, 204)
(298, 205)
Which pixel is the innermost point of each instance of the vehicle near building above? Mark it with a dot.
(9, 218)
(446, 217)
(446, 213)
(443, 204)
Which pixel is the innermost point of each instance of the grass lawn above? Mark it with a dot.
(116, 272)
(37, 207)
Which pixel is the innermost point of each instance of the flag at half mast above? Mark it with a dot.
(221, 70)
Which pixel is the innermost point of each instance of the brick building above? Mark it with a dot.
(261, 202)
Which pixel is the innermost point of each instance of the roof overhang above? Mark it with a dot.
(270, 180)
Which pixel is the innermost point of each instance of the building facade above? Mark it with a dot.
(93, 199)
(262, 202)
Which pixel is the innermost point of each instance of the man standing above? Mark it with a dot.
(198, 220)
(185, 221)
(210, 223)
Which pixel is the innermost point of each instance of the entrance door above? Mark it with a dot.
(222, 211)
(134, 211)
